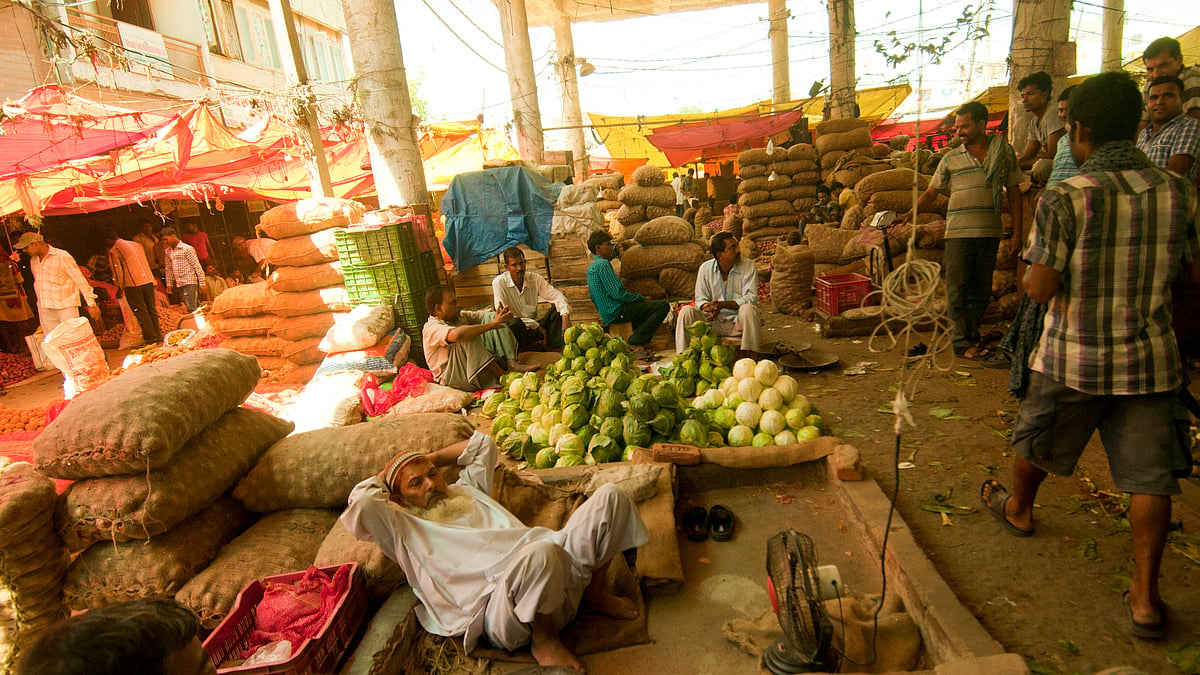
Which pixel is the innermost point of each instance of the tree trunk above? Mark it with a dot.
(572, 114)
(383, 96)
(1039, 43)
(841, 59)
(522, 83)
(1114, 28)
(780, 74)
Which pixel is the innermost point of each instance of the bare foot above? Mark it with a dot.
(611, 605)
(550, 651)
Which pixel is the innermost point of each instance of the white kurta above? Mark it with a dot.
(455, 567)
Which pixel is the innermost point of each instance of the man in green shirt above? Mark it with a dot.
(614, 302)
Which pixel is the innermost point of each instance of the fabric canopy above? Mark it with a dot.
(682, 143)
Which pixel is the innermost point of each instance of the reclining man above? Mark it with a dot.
(726, 297)
(477, 570)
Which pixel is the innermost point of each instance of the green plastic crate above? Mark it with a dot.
(384, 280)
(371, 246)
(410, 312)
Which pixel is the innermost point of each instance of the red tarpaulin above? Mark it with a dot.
(683, 143)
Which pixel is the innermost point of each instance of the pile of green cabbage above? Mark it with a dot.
(592, 407)
(757, 406)
(704, 365)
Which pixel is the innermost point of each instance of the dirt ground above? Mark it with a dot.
(1054, 598)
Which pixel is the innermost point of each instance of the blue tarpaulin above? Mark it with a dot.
(488, 211)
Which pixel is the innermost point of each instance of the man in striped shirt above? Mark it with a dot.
(977, 175)
(1107, 246)
(1172, 139)
(58, 282)
(134, 281)
(183, 269)
(1165, 57)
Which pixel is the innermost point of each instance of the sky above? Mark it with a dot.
(720, 58)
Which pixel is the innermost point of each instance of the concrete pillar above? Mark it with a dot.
(383, 97)
(297, 74)
(522, 83)
(1114, 28)
(841, 58)
(780, 74)
(1039, 43)
(572, 115)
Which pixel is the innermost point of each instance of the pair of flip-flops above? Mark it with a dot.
(698, 522)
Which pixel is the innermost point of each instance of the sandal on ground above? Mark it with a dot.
(995, 506)
(974, 352)
(721, 520)
(1145, 631)
(695, 523)
(919, 349)
(999, 360)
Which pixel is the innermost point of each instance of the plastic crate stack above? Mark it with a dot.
(393, 263)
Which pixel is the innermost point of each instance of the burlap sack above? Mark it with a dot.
(792, 278)
(629, 214)
(380, 574)
(665, 230)
(139, 419)
(752, 198)
(853, 174)
(785, 220)
(846, 140)
(606, 181)
(32, 559)
(1006, 306)
(278, 543)
(307, 249)
(641, 195)
(241, 300)
(827, 243)
(678, 283)
(831, 158)
(303, 352)
(768, 209)
(772, 456)
(769, 233)
(803, 206)
(121, 508)
(319, 468)
(261, 345)
(648, 175)
(307, 278)
(1003, 282)
(765, 183)
(649, 261)
(891, 200)
(320, 301)
(868, 238)
(609, 194)
(752, 224)
(1005, 258)
(294, 328)
(243, 326)
(761, 156)
(812, 178)
(795, 192)
(793, 167)
(753, 171)
(891, 179)
(608, 204)
(839, 126)
(852, 218)
(269, 364)
(647, 286)
(931, 235)
(653, 212)
(109, 572)
(732, 223)
(310, 215)
(802, 151)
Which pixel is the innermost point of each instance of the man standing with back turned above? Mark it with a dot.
(1107, 358)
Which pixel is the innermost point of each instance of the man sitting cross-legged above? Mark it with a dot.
(477, 570)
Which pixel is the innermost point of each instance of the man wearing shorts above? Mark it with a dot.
(1106, 247)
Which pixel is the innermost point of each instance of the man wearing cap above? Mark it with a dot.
(477, 570)
(183, 269)
(57, 281)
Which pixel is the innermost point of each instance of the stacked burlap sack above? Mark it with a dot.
(576, 212)
(607, 187)
(305, 290)
(846, 151)
(649, 197)
(776, 186)
(316, 470)
(664, 252)
(792, 269)
(892, 190)
(152, 452)
(32, 559)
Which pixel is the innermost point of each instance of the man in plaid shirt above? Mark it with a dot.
(1172, 139)
(1107, 245)
(58, 282)
(183, 269)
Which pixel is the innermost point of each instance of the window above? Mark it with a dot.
(227, 30)
(257, 37)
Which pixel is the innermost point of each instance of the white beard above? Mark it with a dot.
(448, 510)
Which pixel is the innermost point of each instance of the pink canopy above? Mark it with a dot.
(682, 143)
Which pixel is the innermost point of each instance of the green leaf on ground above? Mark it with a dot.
(1186, 657)
(1086, 548)
(849, 433)
(1188, 549)
(1038, 669)
(988, 469)
(820, 391)
(885, 409)
(946, 414)
(1069, 646)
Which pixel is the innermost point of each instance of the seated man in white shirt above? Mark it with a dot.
(477, 570)
(519, 291)
(454, 347)
(726, 297)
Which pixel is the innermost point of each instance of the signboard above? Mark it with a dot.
(145, 47)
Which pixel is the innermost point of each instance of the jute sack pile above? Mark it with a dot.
(32, 559)
(640, 195)
(306, 278)
(256, 345)
(243, 326)
(647, 198)
(678, 283)
(241, 311)
(319, 468)
(649, 175)
(109, 572)
(122, 508)
(889, 180)
(649, 261)
(827, 243)
(310, 215)
(792, 278)
(292, 328)
(381, 575)
(320, 301)
(137, 421)
(665, 230)
(305, 249)
(278, 543)
(868, 238)
(647, 287)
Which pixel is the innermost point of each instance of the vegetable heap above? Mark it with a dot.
(758, 406)
(592, 406)
(703, 365)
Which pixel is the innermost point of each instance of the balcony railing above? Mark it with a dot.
(184, 59)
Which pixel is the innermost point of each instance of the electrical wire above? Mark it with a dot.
(459, 37)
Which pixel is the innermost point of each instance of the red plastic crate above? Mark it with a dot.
(320, 654)
(837, 293)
